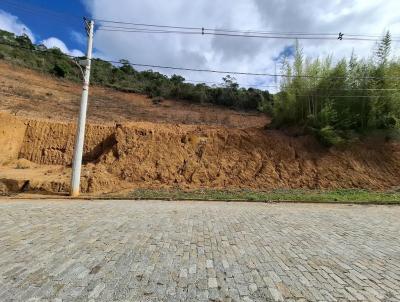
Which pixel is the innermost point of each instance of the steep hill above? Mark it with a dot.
(132, 142)
(24, 92)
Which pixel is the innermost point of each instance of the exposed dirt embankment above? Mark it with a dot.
(50, 143)
(253, 158)
(12, 133)
(153, 155)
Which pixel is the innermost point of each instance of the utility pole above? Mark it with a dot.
(80, 131)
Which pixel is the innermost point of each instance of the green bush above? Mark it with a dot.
(334, 101)
(61, 69)
(329, 136)
(25, 42)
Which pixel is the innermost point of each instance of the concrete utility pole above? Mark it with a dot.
(80, 132)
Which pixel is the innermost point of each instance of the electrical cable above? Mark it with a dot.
(200, 30)
(205, 70)
(40, 10)
(204, 33)
(246, 73)
(230, 30)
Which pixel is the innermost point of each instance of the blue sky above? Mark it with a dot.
(45, 25)
(208, 52)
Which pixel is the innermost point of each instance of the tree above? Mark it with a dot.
(384, 47)
(25, 41)
(125, 78)
(61, 69)
(126, 67)
(230, 82)
(177, 79)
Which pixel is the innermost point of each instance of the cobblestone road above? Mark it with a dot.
(170, 251)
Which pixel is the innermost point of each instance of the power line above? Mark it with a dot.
(40, 10)
(358, 89)
(340, 96)
(259, 32)
(202, 32)
(246, 73)
(219, 83)
(31, 10)
(148, 25)
(48, 51)
(197, 30)
(310, 95)
(210, 70)
(311, 89)
(207, 29)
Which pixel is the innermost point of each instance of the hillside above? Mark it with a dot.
(122, 76)
(28, 93)
(132, 143)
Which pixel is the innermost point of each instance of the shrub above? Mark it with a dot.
(61, 70)
(329, 137)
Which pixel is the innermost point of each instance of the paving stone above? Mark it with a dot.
(253, 287)
(212, 283)
(193, 269)
(210, 263)
(184, 251)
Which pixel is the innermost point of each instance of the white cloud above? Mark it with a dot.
(228, 53)
(79, 37)
(12, 24)
(53, 42)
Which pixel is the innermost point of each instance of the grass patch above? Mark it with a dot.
(334, 196)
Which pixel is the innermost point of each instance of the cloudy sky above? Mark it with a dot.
(209, 52)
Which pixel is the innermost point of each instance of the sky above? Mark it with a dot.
(66, 31)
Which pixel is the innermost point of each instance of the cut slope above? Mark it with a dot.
(160, 155)
(12, 133)
(131, 142)
(149, 155)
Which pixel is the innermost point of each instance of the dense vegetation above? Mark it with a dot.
(335, 102)
(124, 77)
(339, 101)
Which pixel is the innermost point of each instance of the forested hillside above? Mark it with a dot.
(335, 101)
(123, 76)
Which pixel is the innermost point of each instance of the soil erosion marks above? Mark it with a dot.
(145, 154)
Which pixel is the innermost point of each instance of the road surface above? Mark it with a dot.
(197, 251)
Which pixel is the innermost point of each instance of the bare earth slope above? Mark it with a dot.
(24, 92)
(127, 150)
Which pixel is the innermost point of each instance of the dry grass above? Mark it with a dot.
(32, 94)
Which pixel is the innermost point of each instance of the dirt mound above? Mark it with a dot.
(160, 155)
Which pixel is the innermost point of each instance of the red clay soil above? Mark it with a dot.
(134, 143)
(188, 156)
